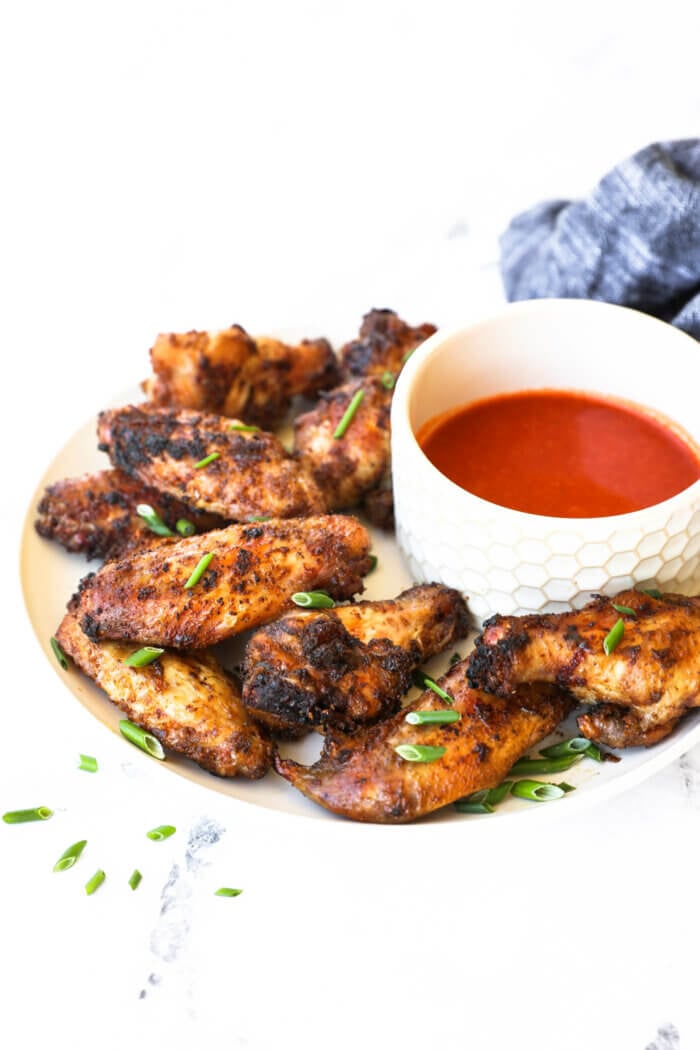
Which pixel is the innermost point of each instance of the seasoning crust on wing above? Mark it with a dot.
(383, 343)
(249, 581)
(188, 702)
(252, 476)
(363, 778)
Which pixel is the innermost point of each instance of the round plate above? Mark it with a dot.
(50, 575)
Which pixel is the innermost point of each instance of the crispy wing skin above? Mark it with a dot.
(378, 506)
(362, 777)
(249, 582)
(383, 342)
(350, 665)
(188, 702)
(252, 476)
(346, 468)
(95, 514)
(231, 374)
(620, 727)
(655, 667)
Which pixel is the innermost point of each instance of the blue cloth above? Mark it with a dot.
(634, 241)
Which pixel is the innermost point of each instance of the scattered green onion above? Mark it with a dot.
(244, 428)
(455, 659)
(146, 741)
(566, 788)
(59, 654)
(624, 609)
(199, 570)
(153, 520)
(406, 356)
(373, 562)
(207, 460)
(545, 765)
(614, 637)
(653, 592)
(388, 380)
(536, 790)
(185, 527)
(576, 745)
(69, 857)
(313, 600)
(259, 517)
(226, 891)
(23, 816)
(420, 718)
(494, 796)
(349, 413)
(463, 805)
(143, 657)
(95, 882)
(419, 752)
(88, 763)
(424, 681)
(484, 801)
(594, 752)
(163, 831)
(135, 878)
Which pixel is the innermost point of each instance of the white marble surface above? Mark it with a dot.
(170, 165)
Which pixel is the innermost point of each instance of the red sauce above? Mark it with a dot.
(559, 453)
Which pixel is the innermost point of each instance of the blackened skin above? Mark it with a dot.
(382, 345)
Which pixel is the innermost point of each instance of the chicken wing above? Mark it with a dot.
(232, 374)
(378, 506)
(620, 727)
(654, 670)
(95, 514)
(383, 344)
(363, 777)
(188, 702)
(252, 475)
(349, 665)
(253, 573)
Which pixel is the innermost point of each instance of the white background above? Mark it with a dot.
(169, 165)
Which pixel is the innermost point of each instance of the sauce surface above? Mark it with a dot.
(560, 453)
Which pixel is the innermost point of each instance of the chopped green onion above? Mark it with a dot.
(536, 790)
(614, 637)
(624, 609)
(244, 428)
(199, 570)
(153, 520)
(455, 659)
(95, 882)
(424, 681)
(59, 654)
(545, 765)
(143, 657)
(653, 592)
(185, 527)
(576, 745)
(226, 891)
(566, 788)
(69, 857)
(594, 752)
(419, 752)
(207, 460)
(163, 831)
(463, 805)
(135, 878)
(23, 816)
(259, 517)
(313, 600)
(388, 380)
(484, 801)
(494, 796)
(406, 356)
(88, 763)
(420, 718)
(373, 562)
(146, 741)
(349, 413)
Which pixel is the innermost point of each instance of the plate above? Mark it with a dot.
(50, 575)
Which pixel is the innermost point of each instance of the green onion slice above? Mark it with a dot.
(23, 816)
(494, 796)
(59, 654)
(455, 659)
(88, 763)
(566, 788)
(614, 637)
(153, 520)
(146, 741)
(143, 657)
(465, 806)
(135, 878)
(419, 752)
(95, 882)
(653, 592)
(313, 600)
(594, 752)
(422, 718)
(163, 831)
(244, 428)
(537, 790)
(406, 356)
(545, 765)
(227, 891)
(388, 380)
(576, 745)
(207, 460)
(69, 856)
(373, 562)
(185, 527)
(623, 609)
(259, 517)
(349, 413)
(199, 570)
(424, 681)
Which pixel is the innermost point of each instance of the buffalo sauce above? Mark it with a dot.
(560, 453)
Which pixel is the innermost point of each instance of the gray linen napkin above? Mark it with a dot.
(634, 241)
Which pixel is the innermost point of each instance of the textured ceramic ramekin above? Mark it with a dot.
(510, 562)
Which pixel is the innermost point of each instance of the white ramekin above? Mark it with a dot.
(505, 560)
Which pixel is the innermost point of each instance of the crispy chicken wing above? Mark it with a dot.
(231, 374)
(654, 670)
(620, 727)
(188, 702)
(383, 344)
(349, 665)
(378, 506)
(346, 468)
(362, 776)
(95, 514)
(253, 573)
(252, 475)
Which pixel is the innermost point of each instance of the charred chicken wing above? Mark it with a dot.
(383, 344)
